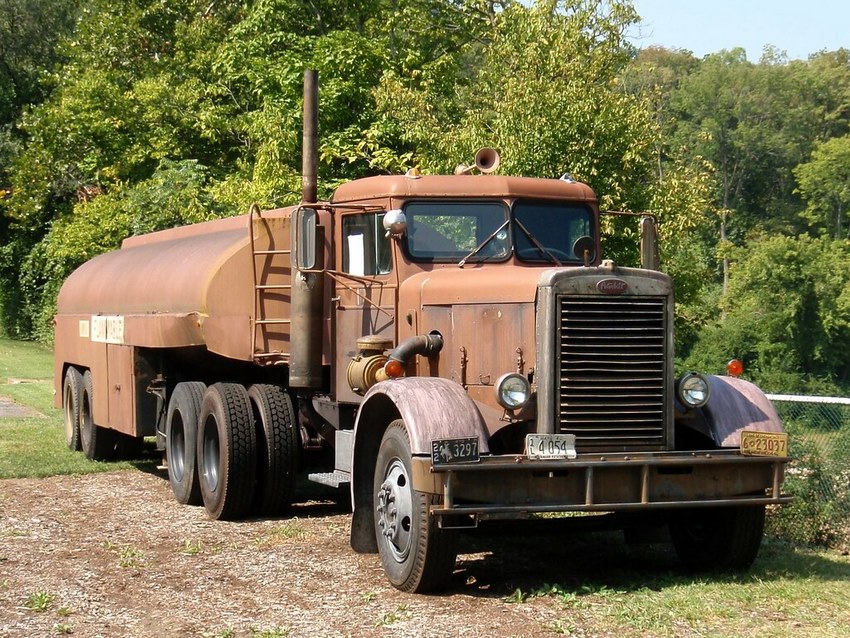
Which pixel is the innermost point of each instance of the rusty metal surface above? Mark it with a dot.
(167, 276)
(517, 485)
(482, 186)
(736, 404)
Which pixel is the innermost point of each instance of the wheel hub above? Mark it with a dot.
(395, 510)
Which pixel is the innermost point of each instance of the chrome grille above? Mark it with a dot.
(611, 372)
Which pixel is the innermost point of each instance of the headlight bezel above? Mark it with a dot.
(693, 390)
(508, 385)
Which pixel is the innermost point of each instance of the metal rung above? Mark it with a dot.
(272, 321)
(272, 252)
(271, 354)
(273, 286)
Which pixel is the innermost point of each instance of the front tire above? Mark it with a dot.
(72, 389)
(416, 554)
(227, 452)
(718, 538)
(181, 433)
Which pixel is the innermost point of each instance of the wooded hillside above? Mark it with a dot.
(119, 118)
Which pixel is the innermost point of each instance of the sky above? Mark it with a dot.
(798, 27)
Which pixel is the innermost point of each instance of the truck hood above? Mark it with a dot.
(449, 286)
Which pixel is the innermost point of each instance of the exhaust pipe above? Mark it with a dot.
(307, 302)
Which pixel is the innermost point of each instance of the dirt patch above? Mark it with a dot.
(9, 408)
(114, 555)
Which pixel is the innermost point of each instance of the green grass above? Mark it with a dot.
(34, 446)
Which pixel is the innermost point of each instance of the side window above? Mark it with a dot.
(365, 249)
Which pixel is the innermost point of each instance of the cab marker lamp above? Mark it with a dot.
(693, 390)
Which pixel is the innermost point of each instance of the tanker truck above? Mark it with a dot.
(447, 349)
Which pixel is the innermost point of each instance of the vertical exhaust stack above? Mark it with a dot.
(307, 303)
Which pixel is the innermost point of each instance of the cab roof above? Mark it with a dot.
(461, 187)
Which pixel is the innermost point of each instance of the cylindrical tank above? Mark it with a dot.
(176, 287)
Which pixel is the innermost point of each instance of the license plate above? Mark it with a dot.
(764, 443)
(464, 450)
(550, 446)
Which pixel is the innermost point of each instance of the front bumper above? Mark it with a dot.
(512, 486)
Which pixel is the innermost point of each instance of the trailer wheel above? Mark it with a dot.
(97, 443)
(277, 448)
(718, 538)
(71, 390)
(416, 554)
(227, 451)
(181, 432)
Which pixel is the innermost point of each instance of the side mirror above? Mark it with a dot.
(649, 243)
(303, 239)
(395, 223)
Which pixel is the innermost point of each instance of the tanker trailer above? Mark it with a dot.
(450, 349)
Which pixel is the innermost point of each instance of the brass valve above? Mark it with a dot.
(367, 368)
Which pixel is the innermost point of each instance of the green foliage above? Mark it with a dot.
(825, 185)
(786, 315)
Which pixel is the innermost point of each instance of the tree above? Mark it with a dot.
(786, 315)
(824, 183)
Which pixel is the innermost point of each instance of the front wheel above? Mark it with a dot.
(718, 538)
(416, 554)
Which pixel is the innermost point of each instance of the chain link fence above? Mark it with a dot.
(819, 474)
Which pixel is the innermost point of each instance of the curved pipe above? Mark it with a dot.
(426, 345)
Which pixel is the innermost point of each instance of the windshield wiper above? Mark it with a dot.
(536, 243)
(480, 246)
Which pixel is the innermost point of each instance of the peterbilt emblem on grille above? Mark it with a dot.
(612, 286)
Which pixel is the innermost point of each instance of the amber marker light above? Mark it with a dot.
(394, 369)
(735, 368)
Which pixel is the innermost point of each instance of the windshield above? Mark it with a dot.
(449, 231)
(547, 230)
(472, 232)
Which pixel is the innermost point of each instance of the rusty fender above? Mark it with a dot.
(431, 408)
(736, 405)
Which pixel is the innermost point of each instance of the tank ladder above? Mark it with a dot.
(260, 321)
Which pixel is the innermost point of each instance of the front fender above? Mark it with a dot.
(735, 405)
(431, 408)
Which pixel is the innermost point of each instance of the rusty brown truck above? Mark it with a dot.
(451, 349)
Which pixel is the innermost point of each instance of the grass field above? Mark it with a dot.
(34, 446)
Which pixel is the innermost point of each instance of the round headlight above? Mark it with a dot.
(693, 390)
(512, 391)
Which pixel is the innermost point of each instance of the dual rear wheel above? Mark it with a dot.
(232, 449)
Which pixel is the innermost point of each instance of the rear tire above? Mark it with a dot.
(72, 389)
(227, 451)
(417, 555)
(97, 443)
(277, 447)
(718, 538)
(181, 433)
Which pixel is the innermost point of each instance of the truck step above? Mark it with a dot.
(332, 479)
